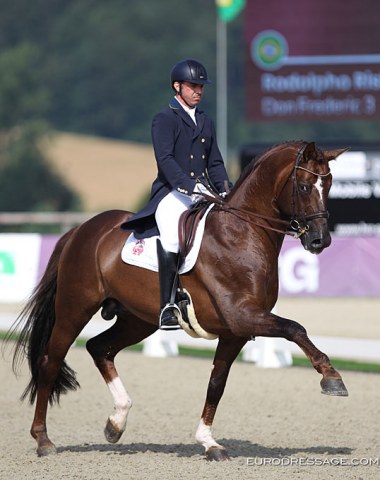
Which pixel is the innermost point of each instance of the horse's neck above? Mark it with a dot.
(255, 198)
(256, 194)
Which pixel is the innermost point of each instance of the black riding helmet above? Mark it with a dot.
(189, 70)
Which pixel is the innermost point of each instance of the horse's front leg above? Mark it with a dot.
(331, 383)
(103, 349)
(265, 324)
(226, 352)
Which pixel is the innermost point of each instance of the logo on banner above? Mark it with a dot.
(299, 271)
(268, 49)
(19, 260)
(7, 264)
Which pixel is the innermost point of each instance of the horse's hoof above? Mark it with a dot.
(46, 450)
(334, 386)
(217, 454)
(111, 433)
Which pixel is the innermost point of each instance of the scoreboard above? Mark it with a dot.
(312, 60)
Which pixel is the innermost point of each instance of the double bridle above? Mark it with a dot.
(297, 226)
(298, 222)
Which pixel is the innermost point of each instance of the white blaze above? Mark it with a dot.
(319, 187)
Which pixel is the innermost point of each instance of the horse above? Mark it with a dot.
(233, 287)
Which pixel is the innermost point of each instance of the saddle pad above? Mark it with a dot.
(143, 253)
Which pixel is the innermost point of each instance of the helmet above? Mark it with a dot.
(189, 70)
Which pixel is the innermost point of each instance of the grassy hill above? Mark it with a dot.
(106, 173)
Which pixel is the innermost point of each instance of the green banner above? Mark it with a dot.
(229, 9)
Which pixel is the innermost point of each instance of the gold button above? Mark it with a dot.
(203, 157)
(203, 140)
(203, 174)
(192, 174)
(191, 156)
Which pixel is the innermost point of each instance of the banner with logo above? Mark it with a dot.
(348, 268)
(19, 258)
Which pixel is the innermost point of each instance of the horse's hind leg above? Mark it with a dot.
(50, 374)
(103, 348)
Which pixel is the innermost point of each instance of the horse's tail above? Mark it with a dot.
(36, 322)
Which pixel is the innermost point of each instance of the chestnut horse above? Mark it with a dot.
(234, 287)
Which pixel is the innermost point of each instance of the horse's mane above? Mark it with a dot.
(258, 159)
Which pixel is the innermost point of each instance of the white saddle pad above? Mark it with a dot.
(143, 253)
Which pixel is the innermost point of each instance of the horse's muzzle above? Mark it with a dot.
(316, 241)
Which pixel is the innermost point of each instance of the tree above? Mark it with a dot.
(26, 179)
(27, 182)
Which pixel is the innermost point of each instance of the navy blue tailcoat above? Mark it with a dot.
(184, 153)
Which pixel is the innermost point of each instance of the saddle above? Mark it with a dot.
(188, 224)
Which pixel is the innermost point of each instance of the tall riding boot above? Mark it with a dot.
(167, 268)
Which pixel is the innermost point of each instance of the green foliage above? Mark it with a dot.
(103, 68)
(112, 63)
(22, 94)
(27, 183)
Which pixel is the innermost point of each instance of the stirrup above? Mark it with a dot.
(171, 324)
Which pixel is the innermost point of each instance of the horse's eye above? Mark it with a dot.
(304, 188)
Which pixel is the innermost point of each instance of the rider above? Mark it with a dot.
(187, 154)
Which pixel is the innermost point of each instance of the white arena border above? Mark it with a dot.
(264, 352)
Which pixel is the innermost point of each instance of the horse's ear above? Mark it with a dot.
(333, 154)
(309, 152)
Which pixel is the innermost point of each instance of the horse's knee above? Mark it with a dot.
(294, 330)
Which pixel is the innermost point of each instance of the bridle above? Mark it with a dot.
(297, 226)
(299, 220)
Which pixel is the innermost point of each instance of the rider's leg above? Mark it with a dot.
(167, 217)
(167, 268)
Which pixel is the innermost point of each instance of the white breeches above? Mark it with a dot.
(167, 217)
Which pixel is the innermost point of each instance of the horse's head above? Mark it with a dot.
(303, 196)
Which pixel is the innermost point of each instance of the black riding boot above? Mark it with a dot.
(167, 269)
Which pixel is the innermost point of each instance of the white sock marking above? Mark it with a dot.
(122, 403)
(204, 436)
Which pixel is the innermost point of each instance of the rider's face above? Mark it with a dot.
(191, 92)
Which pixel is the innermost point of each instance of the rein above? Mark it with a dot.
(297, 223)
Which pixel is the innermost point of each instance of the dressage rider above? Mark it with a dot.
(187, 155)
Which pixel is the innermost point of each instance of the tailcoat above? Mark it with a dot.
(185, 153)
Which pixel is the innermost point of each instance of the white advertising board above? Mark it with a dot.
(19, 258)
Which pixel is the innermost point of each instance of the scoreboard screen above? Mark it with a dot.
(312, 60)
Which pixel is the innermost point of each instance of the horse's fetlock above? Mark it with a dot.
(321, 363)
(35, 431)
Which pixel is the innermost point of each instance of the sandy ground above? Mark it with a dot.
(274, 423)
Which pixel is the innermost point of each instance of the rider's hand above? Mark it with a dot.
(199, 191)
